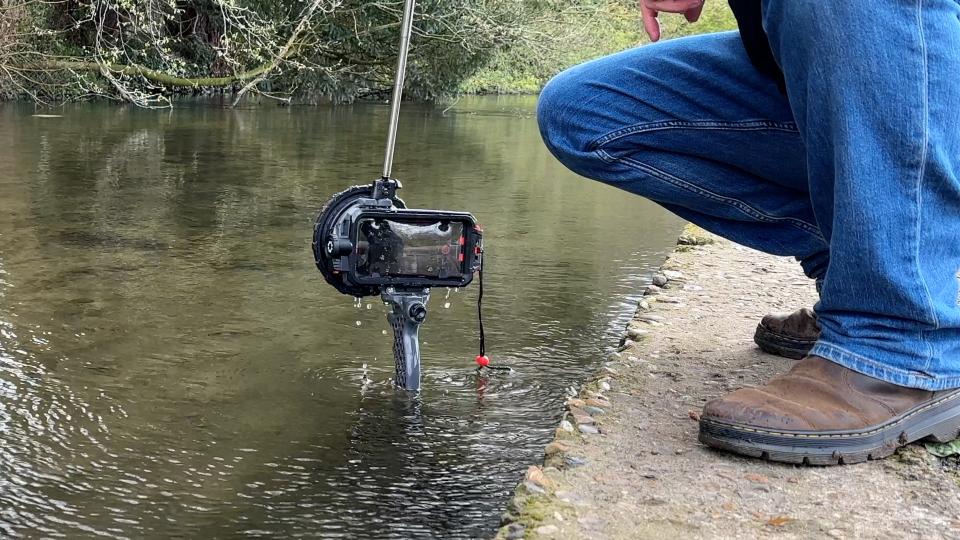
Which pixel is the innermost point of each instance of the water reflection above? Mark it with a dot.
(172, 364)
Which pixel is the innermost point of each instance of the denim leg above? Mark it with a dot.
(875, 88)
(690, 124)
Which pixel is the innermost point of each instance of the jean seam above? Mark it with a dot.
(921, 172)
(737, 204)
(719, 125)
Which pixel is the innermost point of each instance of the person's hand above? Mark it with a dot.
(691, 9)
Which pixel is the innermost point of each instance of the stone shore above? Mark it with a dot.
(626, 462)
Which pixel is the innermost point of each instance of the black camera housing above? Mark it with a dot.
(364, 244)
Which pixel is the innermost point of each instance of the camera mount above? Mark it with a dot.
(366, 242)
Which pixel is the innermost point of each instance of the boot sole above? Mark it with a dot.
(938, 421)
(781, 345)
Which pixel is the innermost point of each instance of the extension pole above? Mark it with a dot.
(406, 30)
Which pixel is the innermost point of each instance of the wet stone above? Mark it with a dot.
(589, 429)
(533, 488)
(555, 448)
(659, 280)
(515, 531)
(637, 333)
(593, 411)
(573, 461)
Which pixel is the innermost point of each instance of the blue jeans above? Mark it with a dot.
(857, 173)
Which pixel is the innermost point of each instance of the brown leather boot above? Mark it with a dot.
(821, 413)
(788, 334)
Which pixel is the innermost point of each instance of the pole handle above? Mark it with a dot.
(406, 31)
(408, 310)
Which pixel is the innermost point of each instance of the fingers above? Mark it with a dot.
(650, 22)
(693, 15)
(674, 6)
(691, 9)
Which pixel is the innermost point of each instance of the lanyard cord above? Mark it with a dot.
(483, 339)
(482, 360)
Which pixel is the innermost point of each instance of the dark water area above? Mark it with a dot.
(173, 365)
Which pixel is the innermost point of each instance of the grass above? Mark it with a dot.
(571, 37)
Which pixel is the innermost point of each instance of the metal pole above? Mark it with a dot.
(406, 29)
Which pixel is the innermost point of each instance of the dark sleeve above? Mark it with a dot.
(750, 19)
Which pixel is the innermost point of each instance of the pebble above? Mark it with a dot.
(659, 280)
(673, 274)
(547, 529)
(593, 411)
(555, 447)
(566, 426)
(644, 305)
(588, 429)
(596, 402)
(575, 402)
(533, 488)
(571, 461)
(605, 386)
(637, 333)
(582, 418)
(589, 522)
(835, 533)
(515, 531)
(651, 290)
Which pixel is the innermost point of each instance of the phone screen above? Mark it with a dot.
(410, 248)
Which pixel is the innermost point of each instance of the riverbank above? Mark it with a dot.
(626, 462)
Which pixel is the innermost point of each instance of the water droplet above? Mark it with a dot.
(359, 323)
(457, 290)
(384, 332)
(446, 305)
(448, 295)
(369, 306)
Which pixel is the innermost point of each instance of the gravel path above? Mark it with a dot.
(626, 462)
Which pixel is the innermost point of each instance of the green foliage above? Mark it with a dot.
(579, 31)
(947, 449)
(144, 51)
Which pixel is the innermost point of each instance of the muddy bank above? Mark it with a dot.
(626, 462)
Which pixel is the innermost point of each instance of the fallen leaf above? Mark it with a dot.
(757, 478)
(535, 476)
(779, 521)
(951, 448)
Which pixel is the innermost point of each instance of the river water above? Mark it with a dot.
(173, 365)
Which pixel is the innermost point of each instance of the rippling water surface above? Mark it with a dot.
(171, 363)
